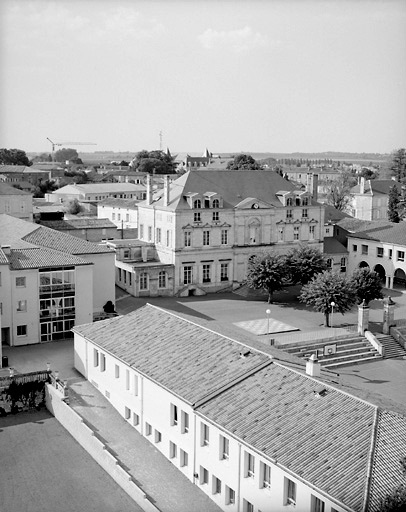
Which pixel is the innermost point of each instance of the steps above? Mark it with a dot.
(392, 347)
(349, 351)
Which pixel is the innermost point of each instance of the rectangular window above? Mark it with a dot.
(21, 330)
(183, 458)
(95, 357)
(102, 362)
(390, 254)
(118, 216)
(174, 414)
(296, 233)
(22, 305)
(206, 237)
(379, 252)
(289, 214)
(162, 279)
(206, 273)
(20, 281)
(265, 475)
(148, 429)
(136, 419)
(184, 422)
(158, 235)
(224, 448)
(247, 506)
(149, 233)
(312, 231)
(230, 495)
(196, 217)
(216, 216)
(187, 238)
(317, 505)
(204, 435)
(281, 234)
(127, 217)
(343, 264)
(143, 281)
(400, 255)
(364, 249)
(127, 379)
(204, 476)
(224, 271)
(224, 236)
(141, 230)
(127, 413)
(113, 216)
(173, 449)
(305, 213)
(158, 436)
(168, 238)
(216, 485)
(354, 248)
(290, 492)
(187, 275)
(136, 385)
(249, 465)
(116, 371)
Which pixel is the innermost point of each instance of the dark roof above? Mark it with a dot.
(394, 233)
(120, 203)
(354, 225)
(78, 223)
(39, 258)
(377, 186)
(8, 190)
(8, 169)
(333, 215)
(333, 246)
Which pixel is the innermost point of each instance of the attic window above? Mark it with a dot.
(244, 353)
(320, 392)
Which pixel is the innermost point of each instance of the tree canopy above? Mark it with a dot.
(367, 285)
(326, 288)
(339, 194)
(266, 272)
(303, 263)
(394, 205)
(153, 162)
(243, 161)
(398, 165)
(66, 154)
(14, 157)
(395, 501)
(73, 207)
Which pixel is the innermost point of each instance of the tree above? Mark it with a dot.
(64, 154)
(243, 161)
(395, 210)
(43, 188)
(326, 288)
(153, 162)
(267, 272)
(398, 165)
(13, 157)
(367, 285)
(395, 501)
(339, 193)
(73, 207)
(304, 263)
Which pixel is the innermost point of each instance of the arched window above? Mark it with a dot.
(197, 204)
(298, 201)
(305, 201)
(289, 201)
(216, 203)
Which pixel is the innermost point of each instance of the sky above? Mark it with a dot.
(231, 76)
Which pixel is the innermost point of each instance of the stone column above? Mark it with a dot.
(389, 282)
(363, 318)
(388, 314)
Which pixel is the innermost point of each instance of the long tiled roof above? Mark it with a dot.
(78, 223)
(377, 186)
(390, 446)
(325, 439)
(8, 190)
(46, 237)
(354, 225)
(185, 358)
(332, 246)
(97, 188)
(393, 234)
(233, 186)
(120, 203)
(39, 258)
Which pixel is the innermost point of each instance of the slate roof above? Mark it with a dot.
(325, 440)
(332, 246)
(393, 234)
(377, 186)
(8, 190)
(78, 223)
(120, 203)
(233, 186)
(354, 225)
(39, 258)
(333, 215)
(100, 188)
(185, 358)
(12, 168)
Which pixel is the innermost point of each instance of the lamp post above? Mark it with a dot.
(332, 312)
(268, 312)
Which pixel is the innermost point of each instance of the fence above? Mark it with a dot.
(347, 331)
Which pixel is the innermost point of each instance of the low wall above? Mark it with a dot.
(399, 335)
(375, 342)
(86, 437)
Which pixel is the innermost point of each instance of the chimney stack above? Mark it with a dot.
(166, 190)
(362, 185)
(149, 189)
(313, 366)
(315, 186)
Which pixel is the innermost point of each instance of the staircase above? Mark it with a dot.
(349, 351)
(392, 347)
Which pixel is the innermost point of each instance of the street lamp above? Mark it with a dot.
(268, 312)
(332, 312)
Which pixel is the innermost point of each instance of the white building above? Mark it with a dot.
(15, 202)
(97, 192)
(370, 198)
(122, 212)
(253, 433)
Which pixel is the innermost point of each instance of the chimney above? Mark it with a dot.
(144, 253)
(315, 186)
(166, 190)
(6, 249)
(313, 366)
(362, 185)
(149, 189)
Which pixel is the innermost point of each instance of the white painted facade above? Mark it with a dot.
(122, 216)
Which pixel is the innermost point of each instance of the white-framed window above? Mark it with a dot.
(113, 216)
(22, 305)
(216, 203)
(206, 237)
(183, 458)
(184, 422)
(317, 505)
(400, 255)
(249, 465)
(143, 281)
(158, 436)
(174, 414)
(206, 272)
(197, 203)
(127, 379)
(204, 434)
(379, 252)
(127, 217)
(21, 330)
(305, 213)
(148, 429)
(216, 216)
(390, 254)
(197, 217)
(216, 485)
(102, 362)
(224, 448)
(281, 234)
(364, 249)
(158, 235)
(168, 238)
(265, 475)
(95, 357)
(296, 232)
(312, 232)
(289, 214)
(127, 413)
(173, 450)
(230, 495)
(187, 274)
(126, 254)
(290, 492)
(20, 281)
(329, 263)
(136, 385)
(343, 264)
(247, 506)
(187, 235)
(224, 271)
(136, 419)
(118, 216)
(116, 371)
(224, 236)
(204, 476)
(141, 230)
(162, 279)
(289, 201)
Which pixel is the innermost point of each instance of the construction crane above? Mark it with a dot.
(70, 143)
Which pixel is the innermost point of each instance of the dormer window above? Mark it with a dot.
(289, 201)
(305, 201)
(197, 203)
(216, 203)
(297, 201)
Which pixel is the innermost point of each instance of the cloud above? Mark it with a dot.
(241, 40)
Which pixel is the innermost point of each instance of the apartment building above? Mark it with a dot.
(370, 198)
(208, 223)
(122, 212)
(49, 281)
(252, 432)
(15, 202)
(382, 249)
(97, 192)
